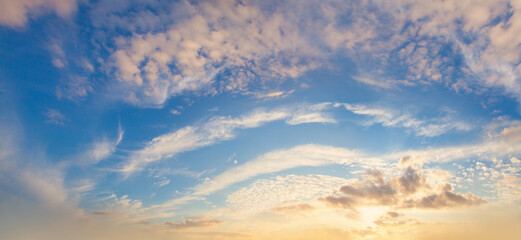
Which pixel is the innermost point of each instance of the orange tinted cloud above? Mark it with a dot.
(410, 190)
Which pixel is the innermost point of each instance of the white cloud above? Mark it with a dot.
(175, 112)
(273, 94)
(27, 179)
(218, 129)
(485, 150)
(268, 194)
(15, 13)
(208, 47)
(192, 137)
(276, 161)
(96, 151)
(212, 37)
(74, 87)
(493, 55)
(391, 118)
(311, 114)
(54, 116)
(316, 155)
(101, 150)
(222, 128)
(372, 82)
(163, 181)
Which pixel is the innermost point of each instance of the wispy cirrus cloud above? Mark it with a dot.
(104, 148)
(317, 155)
(96, 151)
(276, 161)
(412, 189)
(430, 127)
(219, 129)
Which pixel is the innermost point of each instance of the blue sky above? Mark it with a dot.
(258, 119)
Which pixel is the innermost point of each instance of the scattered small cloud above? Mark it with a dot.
(74, 88)
(281, 194)
(54, 116)
(175, 112)
(163, 181)
(232, 157)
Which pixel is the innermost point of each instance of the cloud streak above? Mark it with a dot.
(428, 128)
(222, 128)
(219, 129)
(276, 161)
(194, 222)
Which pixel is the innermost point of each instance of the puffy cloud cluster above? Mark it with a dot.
(407, 191)
(484, 32)
(219, 39)
(243, 43)
(15, 13)
(157, 50)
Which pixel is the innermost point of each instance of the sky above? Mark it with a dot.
(224, 119)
